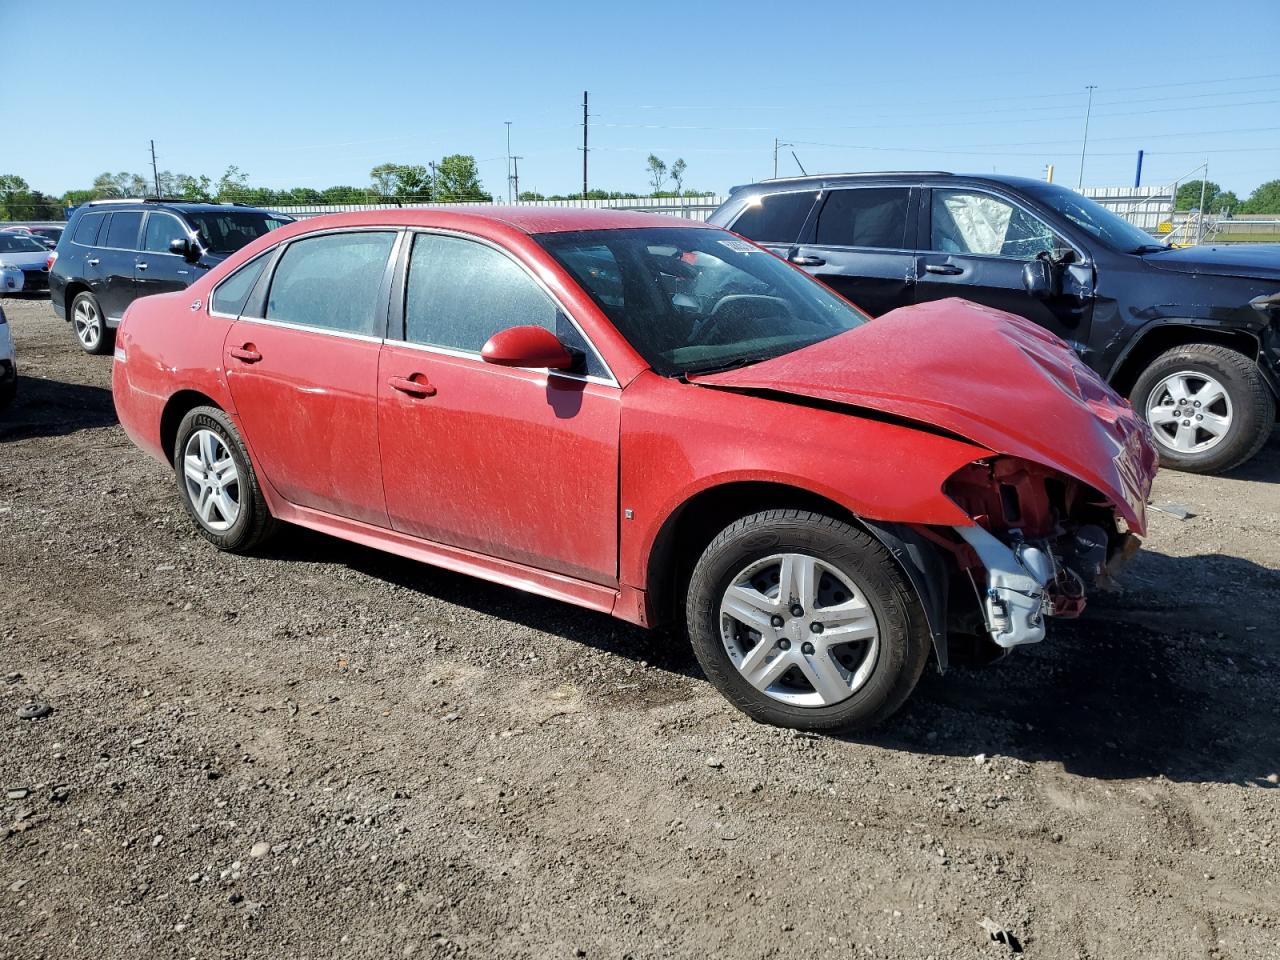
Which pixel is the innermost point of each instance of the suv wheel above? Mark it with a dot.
(217, 482)
(1208, 406)
(90, 324)
(803, 621)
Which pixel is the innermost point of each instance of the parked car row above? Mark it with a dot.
(23, 264)
(648, 417)
(1191, 336)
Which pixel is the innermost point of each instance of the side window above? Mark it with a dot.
(124, 229)
(459, 293)
(229, 296)
(776, 217)
(162, 229)
(331, 281)
(963, 222)
(87, 229)
(865, 217)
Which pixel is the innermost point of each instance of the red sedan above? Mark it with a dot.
(652, 418)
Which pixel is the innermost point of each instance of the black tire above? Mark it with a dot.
(106, 336)
(8, 390)
(857, 555)
(1253, 411)
(253, 526)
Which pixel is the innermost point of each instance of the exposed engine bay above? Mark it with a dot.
(1040, 541)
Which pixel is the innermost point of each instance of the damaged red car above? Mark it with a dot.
(651, 418)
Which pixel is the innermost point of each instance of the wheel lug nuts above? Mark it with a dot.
(1186, 423)
(1199, 416)
(797, 611)
(806, 648)
(784, 644)
(777, 620)
(815, 627)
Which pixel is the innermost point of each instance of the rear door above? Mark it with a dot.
(861, 244)
(156, 270)
(975, 245)
(109, 265)
(302, 367)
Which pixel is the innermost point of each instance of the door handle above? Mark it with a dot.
(946, 269)
(248, 353)
(415, 388)
(806, 261)
(93, 261)
(141, 266)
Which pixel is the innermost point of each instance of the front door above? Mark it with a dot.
(155, 269)
(304, 376)
(978, 245)
(861, 246)
(510, 463)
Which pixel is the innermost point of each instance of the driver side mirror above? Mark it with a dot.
(527, 347)
(188, 249)
(1038, 278)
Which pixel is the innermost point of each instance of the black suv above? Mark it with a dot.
(114, 251)
(1191, 336)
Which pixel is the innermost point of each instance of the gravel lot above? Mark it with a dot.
(329, 752)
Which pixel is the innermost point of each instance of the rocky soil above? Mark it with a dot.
(329, 752)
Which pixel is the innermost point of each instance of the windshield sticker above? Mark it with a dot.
(738, 246)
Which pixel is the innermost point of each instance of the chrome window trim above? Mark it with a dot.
(414, 232)
(214, 292)
(305, 328)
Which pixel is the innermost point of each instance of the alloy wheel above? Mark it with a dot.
(88, 324)
(799, 630)
(212, 480)
(1189, 412)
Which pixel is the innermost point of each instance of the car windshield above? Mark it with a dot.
(19, 243)
(693, 300)
(1095, 219)
(224, 232)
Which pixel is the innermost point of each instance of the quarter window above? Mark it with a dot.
(867, 217)
(776, 217)
(331, 281)
(978, 223)
(231, 293)
(162, 230)
(123, 232)
(87, 229)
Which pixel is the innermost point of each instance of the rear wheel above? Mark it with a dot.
(804, 621)
(1208, 406)
(90, 324)
(217, 482)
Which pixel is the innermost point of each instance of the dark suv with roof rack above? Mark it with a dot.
(1191, 336)
(114, 251)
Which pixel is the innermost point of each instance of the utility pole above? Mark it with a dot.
(1204, 180)
(155, 175)
(1085, 142)
(508, 123)
(776, 145)
(584, 144)
(515, 174)
(435, 197)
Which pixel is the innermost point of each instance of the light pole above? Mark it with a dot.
(776, 145)
(508, 123)
(1085, 142)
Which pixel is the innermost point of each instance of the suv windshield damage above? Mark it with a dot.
(693, 300)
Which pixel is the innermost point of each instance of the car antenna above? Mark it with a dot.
(798, 163)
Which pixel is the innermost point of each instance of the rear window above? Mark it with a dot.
(87, 229)
(229, 296)
(865, 217)
(122, 234)
(776, 217)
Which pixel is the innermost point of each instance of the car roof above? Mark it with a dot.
(816, 181)
(526, 219)
(174, 206)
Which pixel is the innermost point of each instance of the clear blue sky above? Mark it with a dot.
(314, 94)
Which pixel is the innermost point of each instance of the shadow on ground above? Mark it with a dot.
(52, 408)
(1263, 468)
(1106, 696)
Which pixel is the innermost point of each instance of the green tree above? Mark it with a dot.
(233, 184)
(1265, 199)
(531, 195)
(401, 180)
(458, 179)
(113, 186)
(657, 172)
(677, 174)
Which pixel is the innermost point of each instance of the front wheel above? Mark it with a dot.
(804, 621)
(1208, 406)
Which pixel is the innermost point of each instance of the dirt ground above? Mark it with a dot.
(330, 752)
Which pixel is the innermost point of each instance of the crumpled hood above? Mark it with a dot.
(1254, 260)
(993, 378)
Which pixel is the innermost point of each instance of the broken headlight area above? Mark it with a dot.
(1040, 541)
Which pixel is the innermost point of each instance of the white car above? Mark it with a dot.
(8, 365)
(23, 264)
